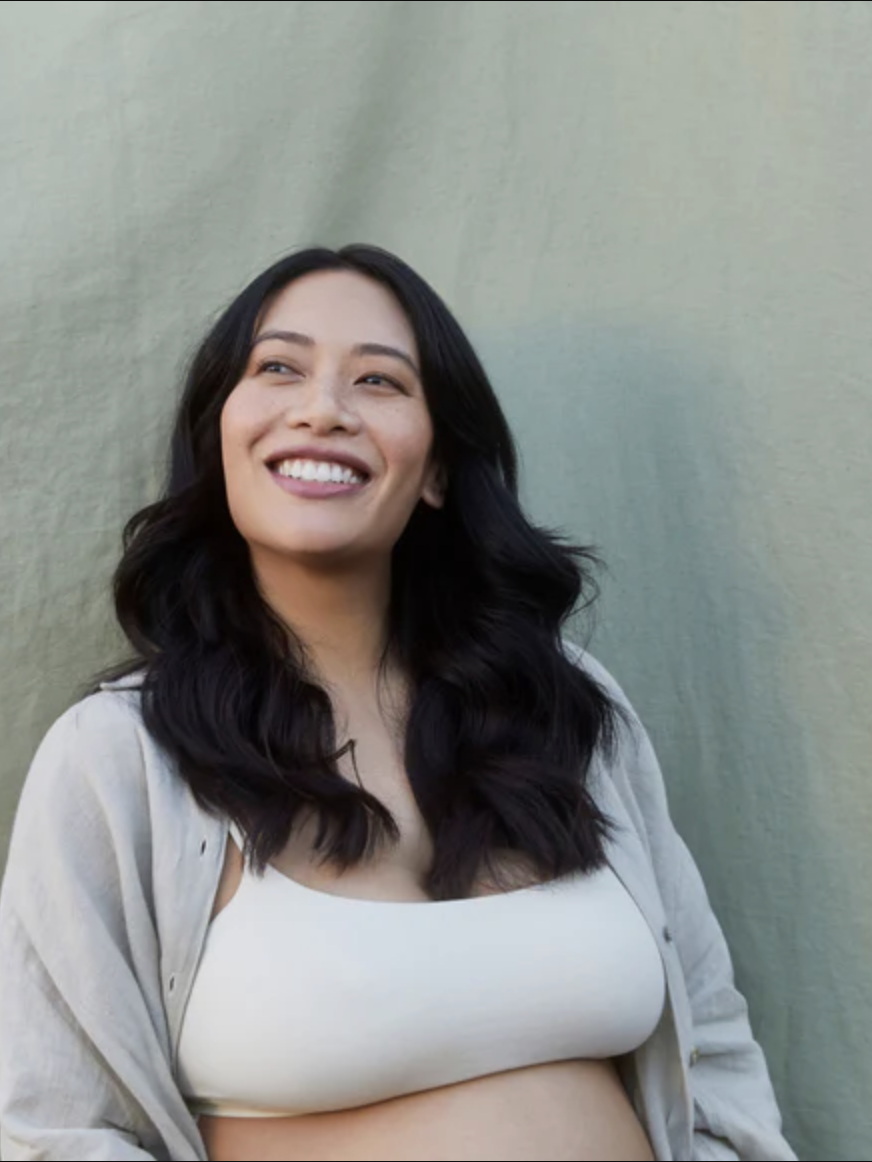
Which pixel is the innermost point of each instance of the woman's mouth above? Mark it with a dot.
(317, 478)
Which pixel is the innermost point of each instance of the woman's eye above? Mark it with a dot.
(275, 367)
(383, 381)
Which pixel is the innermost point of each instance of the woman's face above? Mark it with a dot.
(327, 439)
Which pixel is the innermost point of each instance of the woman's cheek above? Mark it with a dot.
(246, 418)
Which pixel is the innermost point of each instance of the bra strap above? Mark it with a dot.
(237, 835)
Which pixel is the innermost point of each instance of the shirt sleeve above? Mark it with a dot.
(84, 1069)
(736, 1116)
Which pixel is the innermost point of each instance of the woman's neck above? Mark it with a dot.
(339, 615)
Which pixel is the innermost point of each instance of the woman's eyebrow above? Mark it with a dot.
(361, 349)
(285, 336)
(392, 352)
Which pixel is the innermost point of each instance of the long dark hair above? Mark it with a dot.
(502, 727)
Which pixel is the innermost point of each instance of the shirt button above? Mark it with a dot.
(172, 984)
(694, 1058)
(203, 847)
(667, 935)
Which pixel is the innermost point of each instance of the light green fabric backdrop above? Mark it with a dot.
(655, 219)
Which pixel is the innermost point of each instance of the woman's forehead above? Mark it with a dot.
(338, 307)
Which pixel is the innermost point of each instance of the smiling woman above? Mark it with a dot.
(327, 416)
(358, 857)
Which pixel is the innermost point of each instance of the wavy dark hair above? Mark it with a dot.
(502, 725)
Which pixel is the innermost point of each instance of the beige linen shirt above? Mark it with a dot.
(111, 877)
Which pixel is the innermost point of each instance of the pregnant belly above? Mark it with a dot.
(568, 1111)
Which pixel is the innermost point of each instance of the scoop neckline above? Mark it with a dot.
(295, 884)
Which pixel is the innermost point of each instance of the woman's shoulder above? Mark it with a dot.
(95, 756)
(633, 769)
(100, 801)
(104, 720)
(585, 660)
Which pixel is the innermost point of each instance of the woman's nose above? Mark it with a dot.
(322, 404)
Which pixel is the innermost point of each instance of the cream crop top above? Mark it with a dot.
(306, 1002)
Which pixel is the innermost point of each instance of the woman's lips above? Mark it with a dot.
(314, 489)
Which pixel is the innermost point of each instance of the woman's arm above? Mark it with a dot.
(84, 1059)
(736, 1116)
(59, 1100)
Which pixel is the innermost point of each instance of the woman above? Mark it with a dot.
(359, 858)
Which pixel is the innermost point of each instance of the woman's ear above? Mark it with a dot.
(435, 485)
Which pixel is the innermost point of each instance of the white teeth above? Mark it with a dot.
(319, 470)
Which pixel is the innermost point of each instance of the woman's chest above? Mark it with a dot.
(396, 869)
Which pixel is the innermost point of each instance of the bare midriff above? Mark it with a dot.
(567, 1111)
